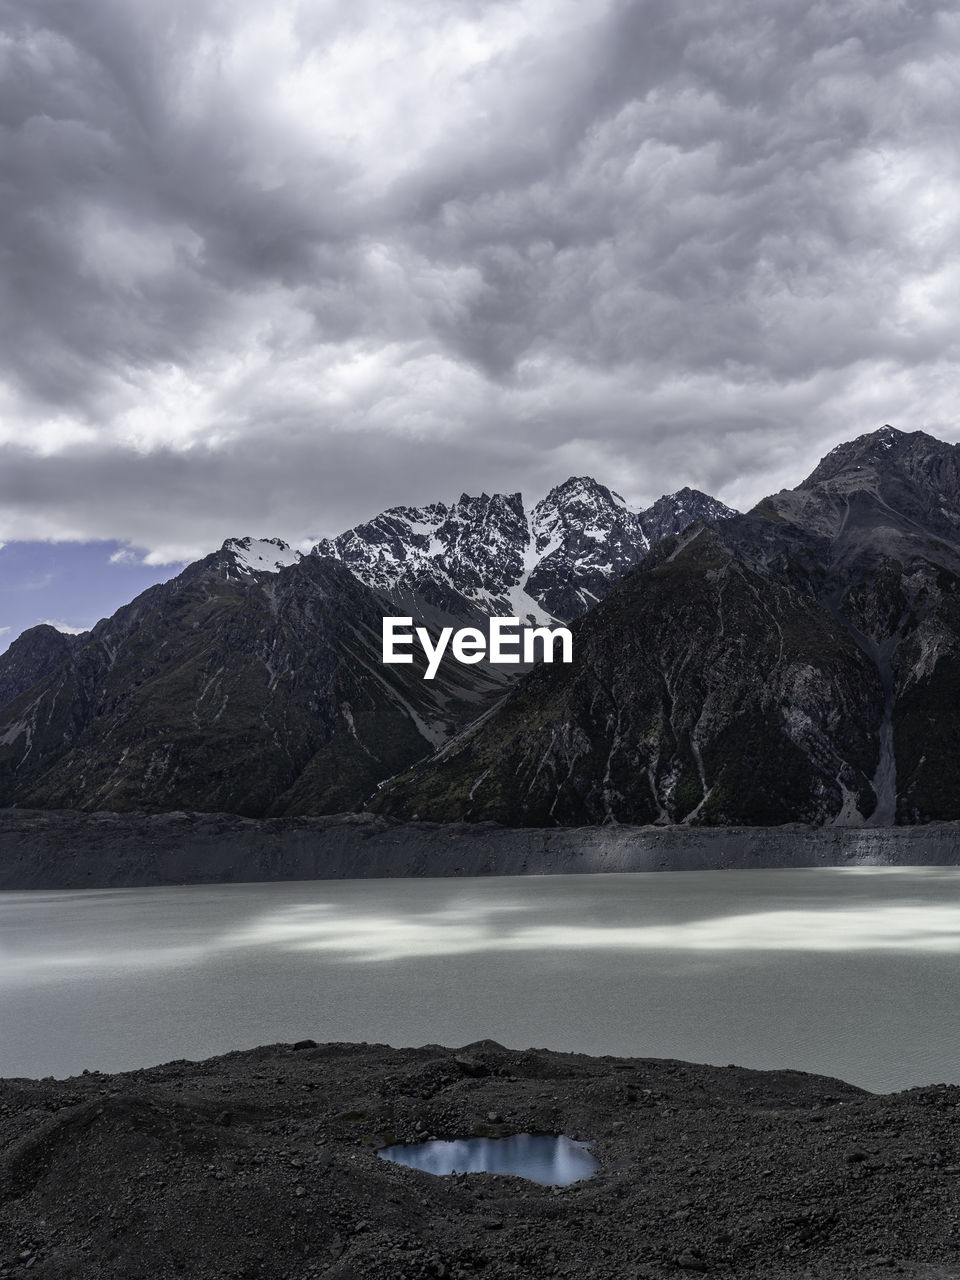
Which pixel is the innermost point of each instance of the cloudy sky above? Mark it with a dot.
(270, 268)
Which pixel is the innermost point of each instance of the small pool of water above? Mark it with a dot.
(538, 1157)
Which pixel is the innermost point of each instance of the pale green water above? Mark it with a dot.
(853, 973)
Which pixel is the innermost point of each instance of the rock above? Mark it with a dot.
(867, 545)
(692, 1262)
(471, 1066)
(127, 1162)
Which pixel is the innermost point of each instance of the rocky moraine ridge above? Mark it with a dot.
(263, 1165)
(49, 849)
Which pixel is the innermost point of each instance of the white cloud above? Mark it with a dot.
(65, 627)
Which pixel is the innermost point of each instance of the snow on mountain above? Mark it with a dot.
(586, 539)
(260, 555)
(542, 564)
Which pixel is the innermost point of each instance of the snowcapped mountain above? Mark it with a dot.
(586, 538)
(253, 682)
(258, 555)
(545, 563)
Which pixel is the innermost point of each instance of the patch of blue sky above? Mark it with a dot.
(71, 585)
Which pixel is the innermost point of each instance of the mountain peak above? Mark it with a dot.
(906, 482)
(259, 555)
(883, 448)
(489, 505)
(33, 655)
(674, 511)
(549, 562)
(581, 488)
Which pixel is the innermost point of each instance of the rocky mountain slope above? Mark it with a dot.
(797, 663)
(231, 689)
(253, 683)
(33, 655)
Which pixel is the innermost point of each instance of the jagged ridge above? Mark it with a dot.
(253, 682)
(546, 563)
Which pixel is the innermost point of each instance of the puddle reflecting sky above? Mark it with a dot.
(852, 972)
(552, 1161)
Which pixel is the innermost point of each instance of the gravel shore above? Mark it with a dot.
(262, 1165)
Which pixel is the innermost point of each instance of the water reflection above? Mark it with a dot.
(876, 927)
(850, 972)
(536, 1157)
(903, 910)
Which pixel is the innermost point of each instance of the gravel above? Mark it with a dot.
(65, 849)
(263, 1163)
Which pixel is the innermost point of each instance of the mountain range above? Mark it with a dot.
(252, 683)
(799, 662)
(490, 556)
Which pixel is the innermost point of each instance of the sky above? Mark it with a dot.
(69, 585)
(268, 269)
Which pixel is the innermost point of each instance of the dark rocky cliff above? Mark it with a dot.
(33, 655)
(798, 663)
(255, 694)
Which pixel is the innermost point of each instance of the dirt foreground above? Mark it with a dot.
(264, 1163)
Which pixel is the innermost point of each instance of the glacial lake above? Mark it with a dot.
(847, 972)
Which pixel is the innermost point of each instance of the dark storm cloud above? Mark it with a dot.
(289, 264)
